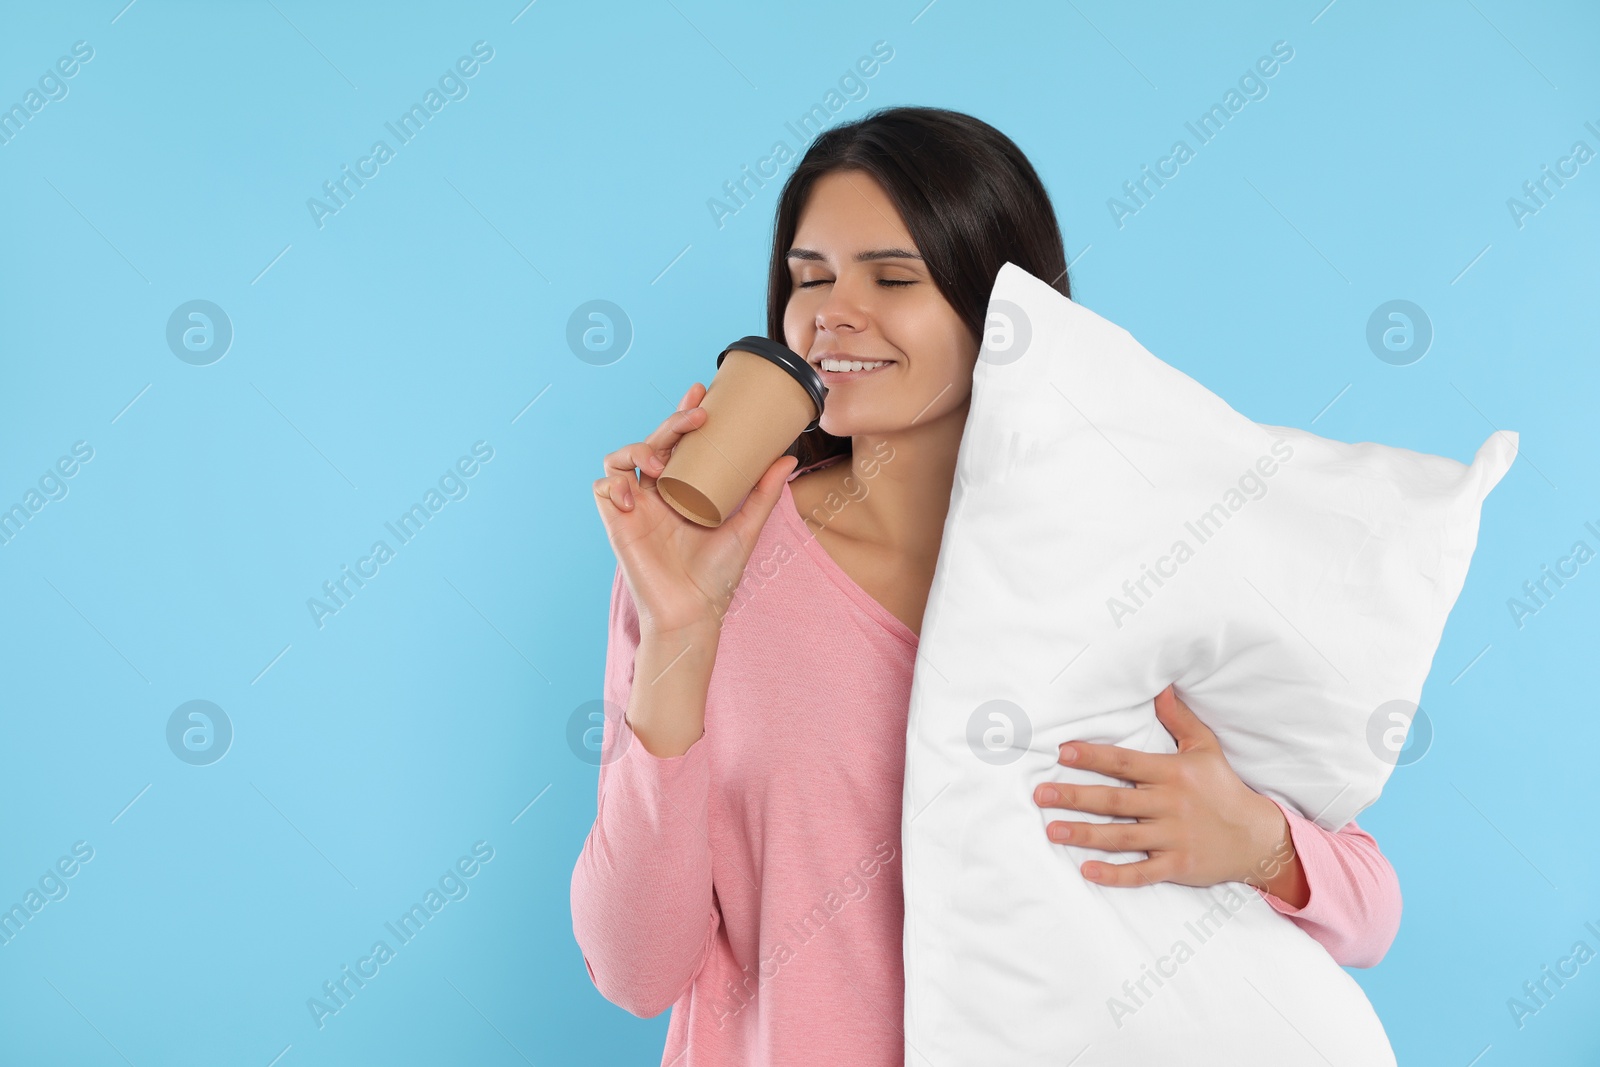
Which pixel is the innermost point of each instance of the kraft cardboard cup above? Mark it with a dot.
(763, 396)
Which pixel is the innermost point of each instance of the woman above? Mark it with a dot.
(743, 867)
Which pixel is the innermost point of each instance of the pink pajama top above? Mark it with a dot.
(752, 883)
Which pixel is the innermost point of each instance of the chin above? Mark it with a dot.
(841, 428)
(857, 427)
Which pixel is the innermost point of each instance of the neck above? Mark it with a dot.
(905, 478)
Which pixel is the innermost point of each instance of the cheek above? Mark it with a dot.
(941, 367)
(798, 329)
(937, 352)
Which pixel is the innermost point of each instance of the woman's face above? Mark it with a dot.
(884, 307)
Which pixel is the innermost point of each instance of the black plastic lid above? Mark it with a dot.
(789, 360)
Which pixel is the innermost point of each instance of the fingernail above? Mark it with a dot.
(1068, 753)
(627, 498)
(1047, 793)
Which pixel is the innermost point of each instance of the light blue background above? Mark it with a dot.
(369, 354)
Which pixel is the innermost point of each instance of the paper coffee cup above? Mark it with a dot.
(763, 396)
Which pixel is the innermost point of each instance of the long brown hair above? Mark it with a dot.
(967, 194)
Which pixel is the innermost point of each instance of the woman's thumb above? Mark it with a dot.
(753, 513)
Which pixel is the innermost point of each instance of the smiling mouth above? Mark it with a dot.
(845, 368)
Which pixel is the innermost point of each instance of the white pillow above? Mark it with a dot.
(1293, 587)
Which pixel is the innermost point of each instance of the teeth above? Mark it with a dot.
(850, 364)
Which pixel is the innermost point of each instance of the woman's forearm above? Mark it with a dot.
(671, 677)
(1280, 871)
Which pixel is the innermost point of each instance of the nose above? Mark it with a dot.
(840, 312)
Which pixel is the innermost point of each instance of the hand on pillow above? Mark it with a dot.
(1198, 820)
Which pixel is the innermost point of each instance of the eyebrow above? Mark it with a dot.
(861, 257)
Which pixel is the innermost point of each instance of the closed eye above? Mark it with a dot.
(889, 282)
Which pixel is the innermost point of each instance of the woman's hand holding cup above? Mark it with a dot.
(682, 575)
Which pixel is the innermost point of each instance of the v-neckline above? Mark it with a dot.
(885, 618)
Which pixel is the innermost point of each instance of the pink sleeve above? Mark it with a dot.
(1354, 908)
(642, 906)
